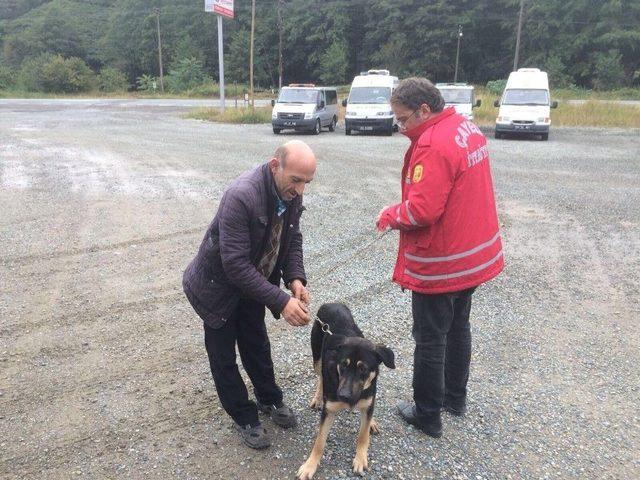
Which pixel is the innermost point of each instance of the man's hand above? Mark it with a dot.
(300, 292)
(296, 313)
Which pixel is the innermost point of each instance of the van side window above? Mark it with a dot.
(321, 97)
(332, 97)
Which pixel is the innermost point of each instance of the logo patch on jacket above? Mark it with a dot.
(417, 173)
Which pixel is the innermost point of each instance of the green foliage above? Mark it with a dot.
(330, 42)
(206, 89)
(7, 77)
(67, 75)
(333, 64)
(608, 71)
(187, 74)
(233, 115)
(112, 80)
(147, 83)
(496, 87)
(558, 78)
(31, 74)
(54, 73)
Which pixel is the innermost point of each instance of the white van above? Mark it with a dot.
(369, 103)
(460, 96)
(525, 104)
(303, 106)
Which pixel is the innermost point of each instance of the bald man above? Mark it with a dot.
(252, 244)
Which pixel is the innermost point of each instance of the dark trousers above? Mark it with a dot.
(443, 349)
(245, 327)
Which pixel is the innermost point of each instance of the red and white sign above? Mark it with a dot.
(221, 7)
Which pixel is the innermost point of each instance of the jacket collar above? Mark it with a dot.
(416, 132)
(269, 187)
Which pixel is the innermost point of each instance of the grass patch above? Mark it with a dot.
(596, 114)
(232, 115)
(593, 113)
(585, 94)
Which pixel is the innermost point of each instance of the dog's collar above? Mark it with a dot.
(324, 326)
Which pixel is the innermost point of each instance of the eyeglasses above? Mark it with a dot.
(402, 121)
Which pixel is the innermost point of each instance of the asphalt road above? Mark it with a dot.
(103, 369)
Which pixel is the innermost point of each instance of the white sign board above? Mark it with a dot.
(221, 7)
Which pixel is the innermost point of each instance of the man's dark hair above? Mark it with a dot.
(413, 92)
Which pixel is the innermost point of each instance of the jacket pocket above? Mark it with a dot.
(213, 301)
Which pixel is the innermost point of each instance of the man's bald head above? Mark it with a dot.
(297, 151)
(293, 166)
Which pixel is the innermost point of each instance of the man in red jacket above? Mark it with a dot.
(449, 244)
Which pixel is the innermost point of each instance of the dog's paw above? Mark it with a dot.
(316, 403)
(360, 463)
(306, 471)
(374, 427)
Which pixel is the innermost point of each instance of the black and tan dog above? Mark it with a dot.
(347, 367)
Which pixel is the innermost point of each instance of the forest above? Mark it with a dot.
(80, 45)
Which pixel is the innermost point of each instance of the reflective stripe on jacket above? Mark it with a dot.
(449, 233)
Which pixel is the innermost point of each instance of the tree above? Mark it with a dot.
(333, 64)
(187, 74)
(608, 71)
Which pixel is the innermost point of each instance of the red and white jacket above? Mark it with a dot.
(449, 233)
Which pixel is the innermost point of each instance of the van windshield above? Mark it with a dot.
(525, 96)
(456, 95)
(298, 95)
(370, 95)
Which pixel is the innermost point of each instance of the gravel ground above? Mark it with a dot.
(103, 368)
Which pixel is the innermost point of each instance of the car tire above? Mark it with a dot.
(388, 132)
(497, 135)
(544, 137)
(347, 131)
(276, 130)
(332, 125)
(318, 128)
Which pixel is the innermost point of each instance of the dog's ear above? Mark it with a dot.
(386, 356)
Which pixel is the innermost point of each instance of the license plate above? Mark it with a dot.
(289, 124)
(523, 127)
(365, 128)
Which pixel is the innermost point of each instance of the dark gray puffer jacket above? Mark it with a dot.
(224, 269)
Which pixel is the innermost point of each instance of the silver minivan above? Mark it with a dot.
(305, 107)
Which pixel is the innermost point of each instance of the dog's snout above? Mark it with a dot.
(344, 393)
(344, 399)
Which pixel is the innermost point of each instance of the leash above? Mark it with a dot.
(358, 251)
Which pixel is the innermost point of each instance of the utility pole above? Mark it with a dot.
(157, 12)
(515, 58)
(253, 26)
(455, 75)
(280, 67)
(221, 62)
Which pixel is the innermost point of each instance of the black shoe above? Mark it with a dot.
(254, 437)
(281, 415)
(429, 424)
(456, 411)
